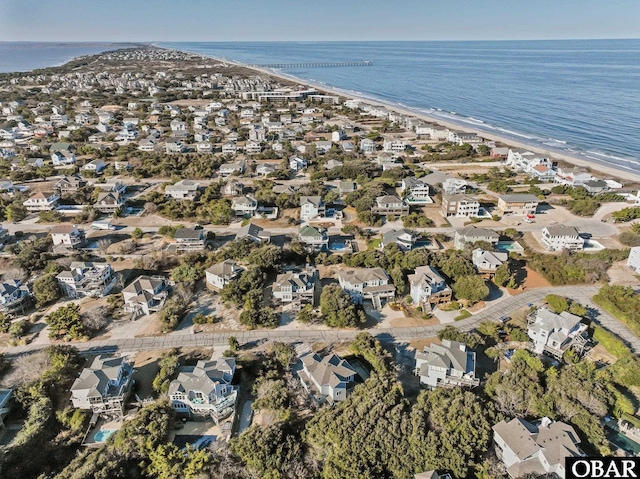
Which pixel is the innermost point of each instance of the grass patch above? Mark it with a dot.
(464, 314)
(613, 309)
(374, 244)
(609, 341)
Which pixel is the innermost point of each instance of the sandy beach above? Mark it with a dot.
(597, 168)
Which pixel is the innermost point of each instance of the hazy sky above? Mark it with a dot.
(236, 20)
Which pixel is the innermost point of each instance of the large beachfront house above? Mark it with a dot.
(518, 204)
(460, 205)
(295, 287)
(562, 237)
(555, 333)
(85, 279)
(205, 390)
(218, 275)
(104, 386)
(367, 283)
(428, 288)
(332, 376)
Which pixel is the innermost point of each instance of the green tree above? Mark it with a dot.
(137, 233)
(234, 344)
(46, 290)
(472, 288)
(557, 303)
(16, 212)
(65, 322)
(337, 308)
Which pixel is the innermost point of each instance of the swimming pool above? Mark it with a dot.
(103, 435)
(339, 247)
(622, 441)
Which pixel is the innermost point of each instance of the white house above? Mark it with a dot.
(367, 146)
(42, 202)
(535, 448)
(428, 288)
(67, 235)
(454, 186)
(560, 237)
(205, 390)
(95, 165)
(634, 259)
(394, 146)
(416, 190)
(63, 158)
(297, 163)
(87, 280)
(554, 333)
(405, 239)
(316, 238)
(218, 275)
(145, 294)
(472, 234)
(292, 286)
(104, 386)
(460, 205)
(229, 169)
(331, 375)
(244, 206)
(311, 207)
(183, 190)
(488, 262)
(446, 364)
(367, 283)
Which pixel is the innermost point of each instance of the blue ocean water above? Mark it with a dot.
(575, 96)
(27, 56)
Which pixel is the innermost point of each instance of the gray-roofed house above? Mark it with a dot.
(346, 187)
(405, 239)
(295, 287)
(555, 333)
(390, 205)
(69, 184)
(417, 191)
(84, 279)
(311, 207)
(13, 295)
(560, 237)
(460, 205)
(67, 236)
(245, 206)
(145, 294)
(473, 234)
(109, 202)
(218, 275)
(518, 204)
(487, 262)
(183, 190)
(447, 364)
(232, 188)
(254, 233)
(189, 239)
(595, 186)
(428, 288)
(331, 375)
(104, 386)
(205, 390)
(535, 449)
(367, 283)
(316, 238)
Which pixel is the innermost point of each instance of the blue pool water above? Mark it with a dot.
(103, 435)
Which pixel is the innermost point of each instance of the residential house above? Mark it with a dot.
(205, 390)
(232, 188)
(462, 137)
(280, 189)
(488, 262)
(390, 206)
(316, 238)
(104, 386)
(633, 261)
(178, 125)
(95, 165)
(535, 449)
(204, 147)
(13, 295)
(332, 376)
(447, 364)
(405, 239)
(145, 294)
(176, 146)
(265, 169)
(295, 287)
(109, 202)
(253, 232)
(113, 185)
(367, 283)
(472, 234)
(63, 158)
(253, 147)
(560, 237)
(331, 164)
(68, 185)
(555, 333)
(311, 207)
(67, 235)
(428, 288)
(245, 206)
(347, 146)
(518, 204)
(394, 146)
(297, 163)
(367, 146)
(189, 239)
(229, 169)
(499, 152)
(183, 190)
(572, 177)
(454, 186)
(346, 187)
(460, 205)
(542, 173)
(42, 202)
(147, 144)
(323, 147)
(415, 190)
(85, 279)
(595, 186)
(229, 148)
(218, 275)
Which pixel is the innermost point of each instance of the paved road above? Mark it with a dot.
(507, 306)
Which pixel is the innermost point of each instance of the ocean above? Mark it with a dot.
(27, 56)
(580, 97)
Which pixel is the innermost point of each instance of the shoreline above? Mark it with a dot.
(616, 172)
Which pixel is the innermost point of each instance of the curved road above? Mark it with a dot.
(506, 306)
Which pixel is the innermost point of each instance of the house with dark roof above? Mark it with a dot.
(367, 283)
(447, 364)
(145, 294)
(311, 207)
(405, 239)
(535, 449)
(69, 184)
(189, 239)
(295, 286)
(109, 202)
(390, 206)
(518, 204)
(14, 295)
(205, 390)
(253, 232)
(473, 234)
(332, 376)
(104, 386)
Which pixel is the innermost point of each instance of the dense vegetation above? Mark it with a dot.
(623, 303)
(575, 268)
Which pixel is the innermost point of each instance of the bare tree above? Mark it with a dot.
(183, 292)
(150, 207)
(15, 273)
(26, 368)
(148, 262)
(95, 319)
(103, 245)
(127, 247)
